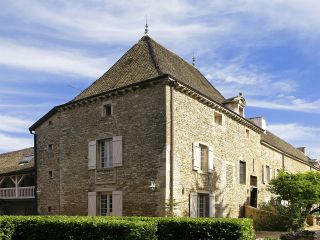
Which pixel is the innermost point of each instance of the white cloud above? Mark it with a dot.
(298, 105)
(13, 124)
(9, 143)
(50, 60)
(299, 136)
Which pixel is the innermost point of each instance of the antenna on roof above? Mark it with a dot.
(146, 30)
(193, 60)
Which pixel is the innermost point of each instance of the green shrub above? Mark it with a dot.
(76, 228)
(131, 228)
(176, 228)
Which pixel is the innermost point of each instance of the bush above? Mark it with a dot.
(75, 228)
(85, 228)
(201, 228)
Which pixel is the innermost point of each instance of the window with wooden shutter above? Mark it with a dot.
(117, 151)
(229, 175)
(92, 203)
(117, 203)
(193, 205)
(210, 160)
(196, 156)
(92, 155)
(105, 149)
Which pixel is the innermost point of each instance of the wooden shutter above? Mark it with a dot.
(117, 151)
(263, 173)
(212, 206)
(92, 154)
(92, 203)
(210, 159)
(270, 173)
(193, 205)
(117, 203)
(196, 156)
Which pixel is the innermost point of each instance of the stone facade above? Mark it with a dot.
(176, 142)
(139, 117)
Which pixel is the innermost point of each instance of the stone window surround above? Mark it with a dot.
(207, 145)
(103, 111)
(218, 114)
(245, 173)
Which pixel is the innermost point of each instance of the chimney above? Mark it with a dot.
(303, 149)
(259, 121)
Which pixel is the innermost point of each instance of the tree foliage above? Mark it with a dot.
(300, 190)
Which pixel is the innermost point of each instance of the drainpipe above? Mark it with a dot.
(36, 169)
(172, 84)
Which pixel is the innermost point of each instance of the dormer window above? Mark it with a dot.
(241, 111)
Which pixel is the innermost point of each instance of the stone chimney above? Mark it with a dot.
(259, 121)
(303, 149)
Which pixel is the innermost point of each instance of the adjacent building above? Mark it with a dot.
(17, 183)
(153, 137)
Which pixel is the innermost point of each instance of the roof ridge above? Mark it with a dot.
(153, 55)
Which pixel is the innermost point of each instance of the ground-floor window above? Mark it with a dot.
(105, 203)
(203, 205)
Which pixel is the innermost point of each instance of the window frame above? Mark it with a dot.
(105, 161)
(204, 158)
(108, 209)
(203, 207)
(268, 173)
(218, 116)
(243, 175)
(104, 112)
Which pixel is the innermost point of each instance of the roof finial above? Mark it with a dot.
(146, 30)
(193, 60)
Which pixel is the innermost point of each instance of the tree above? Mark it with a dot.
(297, 195)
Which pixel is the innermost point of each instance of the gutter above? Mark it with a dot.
(36, 169)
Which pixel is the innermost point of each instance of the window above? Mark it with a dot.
(203, 205)
(50, 123)
(49, 209)
(247, 133)
(105, 153)
(242, 173)
(107, 109)
(50, 147)
(50, 173)
(241, 111)
(268, 175)
(204, 158)
(218, 119)
(105, 204)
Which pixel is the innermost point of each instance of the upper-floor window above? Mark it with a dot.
(107, 109)
(50, 147)
(105, 153)
(268, 173)
(50, 123)
(204, 158)
(242, 173)
(218, 119)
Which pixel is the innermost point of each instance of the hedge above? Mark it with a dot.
(85, 228)
(74, 228)
(201, 228)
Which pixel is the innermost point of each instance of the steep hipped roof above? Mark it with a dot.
(282, 145)
(16, 161)
(145, 60)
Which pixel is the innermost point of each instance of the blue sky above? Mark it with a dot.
(267, 49)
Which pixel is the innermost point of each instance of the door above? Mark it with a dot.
(254, 197)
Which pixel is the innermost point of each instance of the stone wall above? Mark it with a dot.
(139, 117)
(194, 122)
